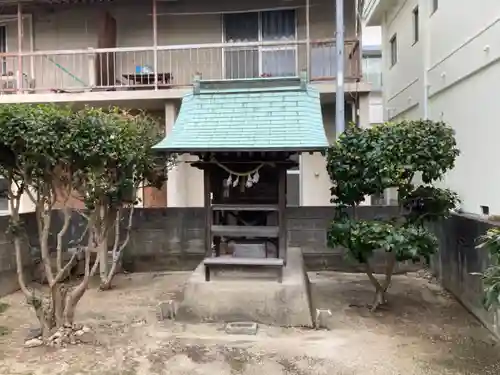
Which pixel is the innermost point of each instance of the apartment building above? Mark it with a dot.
(441, 61)
(138, 54)
(371, 65)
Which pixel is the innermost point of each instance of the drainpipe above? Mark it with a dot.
(424, 29)
(339, 46)
(308, 38)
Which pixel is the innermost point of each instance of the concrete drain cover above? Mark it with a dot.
(241, 328)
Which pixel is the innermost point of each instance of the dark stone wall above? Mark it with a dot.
(459, 261)
(307, 229)
(8, 268)
(173, 238)
(166, 238)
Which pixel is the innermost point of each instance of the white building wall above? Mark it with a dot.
(402, 81)
(372, 36)
(376, 108)
(463, 68)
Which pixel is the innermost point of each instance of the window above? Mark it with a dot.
(415, 25)
(435, 6)
(269, 60)
(3, 49)
(394, 50)
(372, 71)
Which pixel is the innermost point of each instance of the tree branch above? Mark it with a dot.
(60, 235)
(14, 208)
(373, 279)
(129, 229)
(117, 255)
(389, 270)
(30, 195)
(117, 232)
(77, 293)
(43, 221)
(83, 215)
(66, 268)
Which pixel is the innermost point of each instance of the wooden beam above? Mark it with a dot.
(245, 231)
(282, 235)
(208, 212)
(245, 207)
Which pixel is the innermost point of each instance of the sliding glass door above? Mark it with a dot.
(270, 60)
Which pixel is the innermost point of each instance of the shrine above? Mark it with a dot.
(246, 134)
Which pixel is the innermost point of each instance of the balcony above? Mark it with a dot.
(133, 47)
(168, 67)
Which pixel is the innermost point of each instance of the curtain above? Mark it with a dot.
(277, 61)
(278, 25)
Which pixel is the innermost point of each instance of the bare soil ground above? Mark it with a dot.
(424, 331)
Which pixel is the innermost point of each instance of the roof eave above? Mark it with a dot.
(374, 12)
(299, 149)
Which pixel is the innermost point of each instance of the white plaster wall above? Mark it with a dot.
(472, 109)
(376, 108)
(464, 64)
(372, 36)
(402, 81)
(315, 182)
(185, 183)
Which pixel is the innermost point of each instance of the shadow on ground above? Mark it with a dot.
(420, 311)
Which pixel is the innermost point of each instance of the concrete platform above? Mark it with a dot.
(242, 298)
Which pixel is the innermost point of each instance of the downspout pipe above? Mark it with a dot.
(424, 29)
(339, 46)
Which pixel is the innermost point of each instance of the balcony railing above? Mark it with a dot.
(169, 66)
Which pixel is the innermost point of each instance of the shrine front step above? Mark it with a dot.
(244, 273)
(240, 298)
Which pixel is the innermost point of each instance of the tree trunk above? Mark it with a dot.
(117, 248)
(58, 293)
(381, 287)
(102, 251)
(43, 308)
(76, 294)
(106, 284)
(45, 315)
(379, 299)
(380, 290)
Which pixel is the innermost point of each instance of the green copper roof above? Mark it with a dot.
(248, 115)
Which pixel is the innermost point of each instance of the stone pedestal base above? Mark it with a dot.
(241, 298)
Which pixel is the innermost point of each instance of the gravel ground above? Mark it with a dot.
(423, 331)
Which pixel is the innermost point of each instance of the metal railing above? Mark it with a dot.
(165, 67)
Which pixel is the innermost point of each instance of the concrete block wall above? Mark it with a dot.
(8, 268)
(173, 238)
(459, 261)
